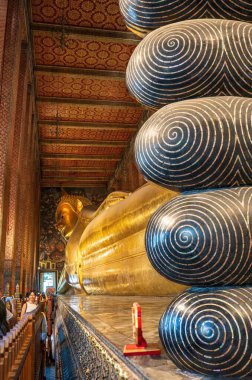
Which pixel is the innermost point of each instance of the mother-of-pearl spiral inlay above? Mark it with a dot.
(209, 331)
(203, 238)
(192, 59)
(142, 16)
(198, 143)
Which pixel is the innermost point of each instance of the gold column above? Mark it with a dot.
(27, 220)
(11, 239)
(3, 15)
(8, 96)
(36, 214)
(22, 195)
(31, 215)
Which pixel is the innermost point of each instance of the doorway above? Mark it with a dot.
(48, 281)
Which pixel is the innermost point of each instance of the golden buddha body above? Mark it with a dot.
(105, 252)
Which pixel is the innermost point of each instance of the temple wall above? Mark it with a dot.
(51, 243)
(19, 158)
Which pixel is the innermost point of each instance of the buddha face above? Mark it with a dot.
(66, 219)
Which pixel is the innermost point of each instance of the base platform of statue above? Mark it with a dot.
(91, 332)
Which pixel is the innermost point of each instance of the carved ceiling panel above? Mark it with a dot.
(85, 113)
(84, 87)
(75, 174)
(61, 163)
(82, 150)
(103, 14)
(85, 134)
(76, 184)
(89, 113)
(80, 51)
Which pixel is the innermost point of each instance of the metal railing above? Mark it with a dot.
(22, 353)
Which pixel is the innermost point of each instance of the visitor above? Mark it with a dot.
(11, 316)
(43, 297)
(37, 298)
(30, 304)
(4, 327)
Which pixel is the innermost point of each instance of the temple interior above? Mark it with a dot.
(125, 189)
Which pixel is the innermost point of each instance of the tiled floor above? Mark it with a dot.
(111, 316)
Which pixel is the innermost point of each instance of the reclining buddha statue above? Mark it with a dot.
(105, 251)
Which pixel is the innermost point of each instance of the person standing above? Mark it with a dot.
(30, 305)
(4, 327)
(11, 316)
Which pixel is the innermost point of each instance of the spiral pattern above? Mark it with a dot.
(198, 143)
(203, 238)
(208, 331)
(142, 16)
(191, 59)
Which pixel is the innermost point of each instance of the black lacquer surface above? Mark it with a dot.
(145, 15)
(199, 143)
(203, 238)
(192, 59)
(208, 331)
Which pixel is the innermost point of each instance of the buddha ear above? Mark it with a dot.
(79, 206)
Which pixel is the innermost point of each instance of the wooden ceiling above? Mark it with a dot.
(86, 116)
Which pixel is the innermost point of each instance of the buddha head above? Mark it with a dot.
(67, 213)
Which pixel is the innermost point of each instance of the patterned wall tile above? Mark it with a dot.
(52, 245)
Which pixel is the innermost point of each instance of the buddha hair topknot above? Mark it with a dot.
(72, 200)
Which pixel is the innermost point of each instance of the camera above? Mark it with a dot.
(8, 299)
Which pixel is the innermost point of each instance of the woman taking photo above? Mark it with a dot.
(30, 305)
